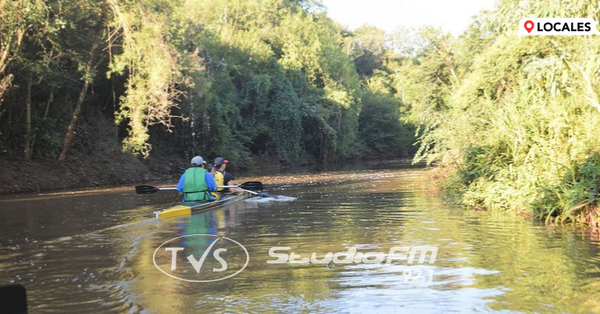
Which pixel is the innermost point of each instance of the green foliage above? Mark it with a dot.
(48, 139)
(575, 197)
(153, 70)
(381, 127)
(272, 78)
(285, 121)
(383, 121)
(515, 123)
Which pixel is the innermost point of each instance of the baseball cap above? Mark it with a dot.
(197, 161)
(221, 160)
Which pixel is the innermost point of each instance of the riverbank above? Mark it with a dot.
(77, 173)
(103, 170)
(446, 182)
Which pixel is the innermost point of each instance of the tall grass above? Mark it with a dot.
(522, 131)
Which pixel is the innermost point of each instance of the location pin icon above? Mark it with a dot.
(529, 26)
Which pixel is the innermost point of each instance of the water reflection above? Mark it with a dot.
(486, 261)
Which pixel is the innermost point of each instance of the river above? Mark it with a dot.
(92, 252)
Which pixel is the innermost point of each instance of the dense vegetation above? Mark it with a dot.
(515, 120)
(262, 78)
(512, 119)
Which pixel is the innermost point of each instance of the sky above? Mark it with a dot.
(453, 16)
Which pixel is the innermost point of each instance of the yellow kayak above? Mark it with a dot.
(186, 209)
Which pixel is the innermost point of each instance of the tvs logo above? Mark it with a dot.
(201, 258)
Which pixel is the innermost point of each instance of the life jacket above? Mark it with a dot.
(219, 181)
(194, 185)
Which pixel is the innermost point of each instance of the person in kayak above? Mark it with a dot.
(222, 177)
(196, 183)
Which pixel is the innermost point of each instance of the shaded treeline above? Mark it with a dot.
(513, 119)
(272, 79)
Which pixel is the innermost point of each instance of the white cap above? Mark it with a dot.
(197, 161)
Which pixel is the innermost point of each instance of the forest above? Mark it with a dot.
(511, 122)
(271, 79)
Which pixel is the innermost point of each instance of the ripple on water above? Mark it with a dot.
(485, 262)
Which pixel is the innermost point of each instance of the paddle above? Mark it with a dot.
(250, 185)
(149, 189)
(237, 187)
(247, 186)
(261, 194)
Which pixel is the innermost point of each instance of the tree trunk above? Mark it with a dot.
(50, 99)
(28, 136)
(4, 84)
(86, 84)
(4, 57)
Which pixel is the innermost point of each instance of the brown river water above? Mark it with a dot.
(92, 252)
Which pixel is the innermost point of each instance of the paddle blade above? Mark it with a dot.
(146, 189)
(252, 185)
(265, 194)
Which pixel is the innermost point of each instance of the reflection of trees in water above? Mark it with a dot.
(485, 260)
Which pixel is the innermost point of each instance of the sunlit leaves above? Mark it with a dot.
(152, 65)
(516, 121)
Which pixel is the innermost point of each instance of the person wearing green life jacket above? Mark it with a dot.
(196, 183)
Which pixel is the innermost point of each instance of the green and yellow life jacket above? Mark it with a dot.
(194, 185)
